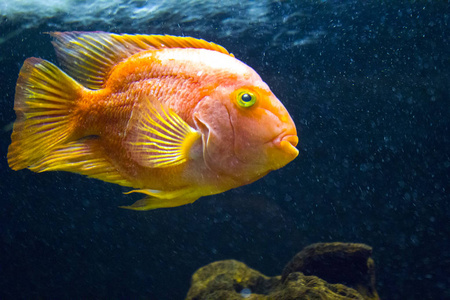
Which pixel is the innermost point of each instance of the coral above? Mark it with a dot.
(346, 271)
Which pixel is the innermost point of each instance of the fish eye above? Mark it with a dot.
(246, 99)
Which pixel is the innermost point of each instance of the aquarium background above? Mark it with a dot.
(367, 84)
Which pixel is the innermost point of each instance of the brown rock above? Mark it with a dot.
(230, 279)
(345, 263)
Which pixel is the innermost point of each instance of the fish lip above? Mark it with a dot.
(287, 142)
(287, 136)
(290, 138)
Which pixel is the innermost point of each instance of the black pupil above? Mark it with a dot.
(246, 98)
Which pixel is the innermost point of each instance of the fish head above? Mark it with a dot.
(247, 132)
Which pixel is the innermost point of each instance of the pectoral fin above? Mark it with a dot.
(158, 137)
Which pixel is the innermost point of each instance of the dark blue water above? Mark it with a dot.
(367, 83)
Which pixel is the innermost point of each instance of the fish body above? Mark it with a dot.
(176, 118)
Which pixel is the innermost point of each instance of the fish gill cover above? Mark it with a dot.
(366, 83)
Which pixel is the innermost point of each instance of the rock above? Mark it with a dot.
(226, 279)
(345, 263)
(231, 279)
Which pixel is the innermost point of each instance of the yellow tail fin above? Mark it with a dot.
(45, 98)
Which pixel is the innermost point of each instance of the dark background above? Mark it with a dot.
(367, 83)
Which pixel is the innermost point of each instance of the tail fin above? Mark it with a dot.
(45, 97)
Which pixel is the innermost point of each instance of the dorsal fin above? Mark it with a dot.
(90, 56)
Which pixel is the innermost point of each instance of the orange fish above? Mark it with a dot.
(177, 118)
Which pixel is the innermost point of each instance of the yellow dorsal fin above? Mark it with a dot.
(157, 136)
(90, 56)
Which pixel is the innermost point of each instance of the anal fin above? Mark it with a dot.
(84, 157)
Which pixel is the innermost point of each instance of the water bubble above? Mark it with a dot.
(245, 293)
(288, 198)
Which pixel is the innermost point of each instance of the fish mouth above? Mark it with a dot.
(283, 149)
(287, 143)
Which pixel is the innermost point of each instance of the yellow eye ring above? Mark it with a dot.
(246, 99)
